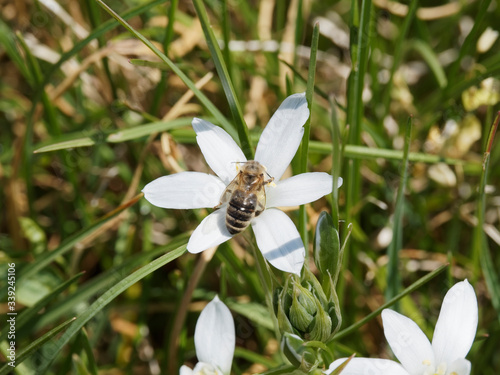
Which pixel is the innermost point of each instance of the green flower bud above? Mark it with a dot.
(297, 353)
(321, 326)
(305, 298)
(299, 316)
(283, 321)
(327, 253)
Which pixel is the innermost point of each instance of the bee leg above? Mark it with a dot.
(260, 209)
(270, 182)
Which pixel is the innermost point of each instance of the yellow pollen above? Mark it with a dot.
(426, 362)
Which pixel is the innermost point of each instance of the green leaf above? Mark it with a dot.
(117, 136)
(255, 312)
(304, 147)
(29, 350)
(190, 84)
(44, 260)
(481, 251)
(393, 278)
(417, 284)
(220, 65)
(104, 300)
(326, 246)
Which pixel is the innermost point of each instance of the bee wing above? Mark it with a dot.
(261, 200)
(226, 195)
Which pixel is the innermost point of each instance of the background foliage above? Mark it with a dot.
(89, 115)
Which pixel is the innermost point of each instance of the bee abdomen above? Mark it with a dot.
(240, 211)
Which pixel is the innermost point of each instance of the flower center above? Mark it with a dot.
(203, 368)
(440, 370)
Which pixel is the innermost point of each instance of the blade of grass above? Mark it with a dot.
(27, 315)
(44, 260)
(304, 147)
(417, 284)
(398, 54)
(117, 136)
(95, 20)
(225, 78)
(29, 350)
(87, 348)
(104, 281)
(226, 35)
(336, 163)
(297, 74)
(431, 58)
(481, 252)
(354, 152)
(393, 277)
(103, 301)
(169, 35)
(467, 45)
(190, 84)
(359, 45)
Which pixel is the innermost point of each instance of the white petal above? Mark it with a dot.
(220, 150)
(214, 337)
(212, 231)
(185, 190)
(185, 371)
(279, 241)
(457, 324)
(299, 189)
(408, 342)
(459, 367)
(282, 136)
(368, 366)
(203, 368)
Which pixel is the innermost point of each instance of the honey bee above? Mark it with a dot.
(245, 195)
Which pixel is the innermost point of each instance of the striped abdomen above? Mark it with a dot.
(240, 211)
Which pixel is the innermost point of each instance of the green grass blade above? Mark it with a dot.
(97, 33)
(117, 136)
(190, 84)
(104, 281)
(481, 252)
(398, 54)
(28, 314)
(393, 277)
(104, 300)
(29, 350)
(225, 78)
(8, 41)
(360, 47)
(336, 162)
(467, 45)
(431, 58)
(417, 284)
(304, 147)
(44, 260)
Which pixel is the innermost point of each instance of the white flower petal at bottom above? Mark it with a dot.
(457, 324)
(279, 241)
(212, 231)
(185, 190)
(281, 137)
(185, 371)
(408, 343)
(214, 338)
(300, 189)
(460, 367)
(368, 366)
(218, 148)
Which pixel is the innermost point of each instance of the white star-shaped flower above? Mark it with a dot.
(276, 235)
(453, 337)
(214, 341)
